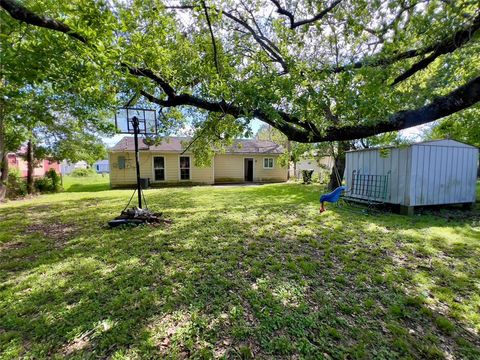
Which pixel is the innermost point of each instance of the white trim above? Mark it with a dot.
(253, 167)
(190, 168)
(164, 168)
(273, 163)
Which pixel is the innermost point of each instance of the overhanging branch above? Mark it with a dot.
(296, 129)
(294, 24)
(306, 132)
(21, 13)
(266, 44)
(447, 45)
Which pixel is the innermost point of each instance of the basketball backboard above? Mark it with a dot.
(147, 120)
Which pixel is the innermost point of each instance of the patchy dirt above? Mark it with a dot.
(452, 214)
(13, 245)
(80, 343)
(55, 231)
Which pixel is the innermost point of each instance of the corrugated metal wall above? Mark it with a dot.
(443, 174)
(430, 173)
(370, 162)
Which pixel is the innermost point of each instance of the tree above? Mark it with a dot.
(328, 71)
(40, 88)
(465, 128)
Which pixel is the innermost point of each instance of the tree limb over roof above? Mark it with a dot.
(299, 128)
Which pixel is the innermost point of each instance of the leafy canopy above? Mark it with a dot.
(315, 70)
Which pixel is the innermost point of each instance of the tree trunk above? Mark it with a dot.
(3, 176)
(289, 150)
(336, 176)
(30, 167)
(3, 160)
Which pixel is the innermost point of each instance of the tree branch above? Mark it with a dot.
(294, 24)
(306, 131)
(166, 87)
(296, 129)
(21, 13)
(266, 44)
(215, 56)
(457, 100)
(448, 45)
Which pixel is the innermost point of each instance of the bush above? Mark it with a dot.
(307, 176)
(82, 172)
(16, 185)
(49, 183)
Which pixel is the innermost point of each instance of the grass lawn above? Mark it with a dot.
(91, 183)
(243, 272)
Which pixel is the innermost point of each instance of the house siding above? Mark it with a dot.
(225, 168)
(229, 168)
(277, 174)
(127, 176)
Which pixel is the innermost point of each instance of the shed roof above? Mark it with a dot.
(178, 144)
(437, 142)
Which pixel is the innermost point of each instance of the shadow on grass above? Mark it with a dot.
(250, 272)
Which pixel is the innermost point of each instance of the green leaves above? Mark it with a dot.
(332, 72)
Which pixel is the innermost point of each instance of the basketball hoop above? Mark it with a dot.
(136, 121)
(147, 121)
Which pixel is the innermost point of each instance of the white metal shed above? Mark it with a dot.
(434, 172)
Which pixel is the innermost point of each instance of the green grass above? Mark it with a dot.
(243, 272)
(92, 183)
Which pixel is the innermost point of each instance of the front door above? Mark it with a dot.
(248, 169)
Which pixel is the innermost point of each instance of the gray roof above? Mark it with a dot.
(178, 144)
(439, 142)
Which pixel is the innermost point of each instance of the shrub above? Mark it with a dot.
(49, 183)
(307, 176)
(82, 172)
(16, 185)
(43, 184)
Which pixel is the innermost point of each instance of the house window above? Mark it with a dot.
(159, 168)
(121, 162)
(268, 163)
(184, 168)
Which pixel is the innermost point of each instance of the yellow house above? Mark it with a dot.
(166, 164)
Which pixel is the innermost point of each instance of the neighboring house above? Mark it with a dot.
(102, 166)
(245, 161)
(17, 161)
(311, 163)
(68, 167)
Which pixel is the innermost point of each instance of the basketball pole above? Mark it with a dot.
(135, 124)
